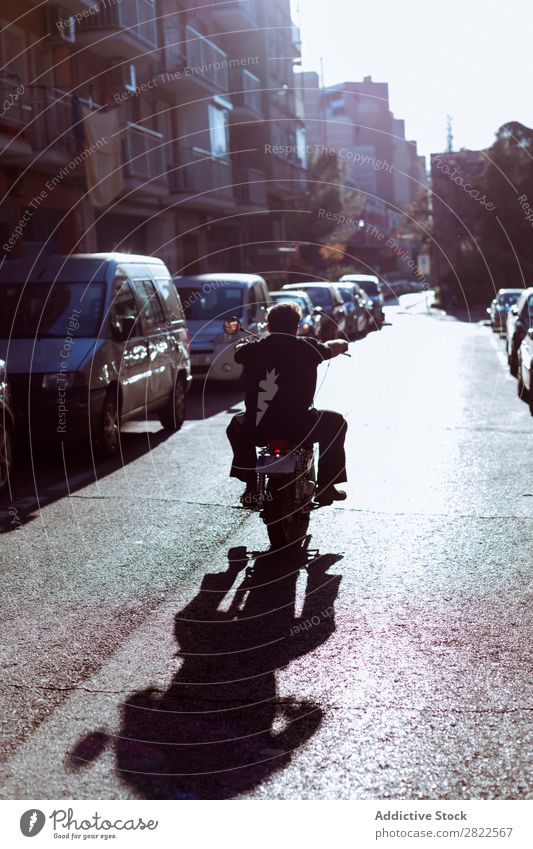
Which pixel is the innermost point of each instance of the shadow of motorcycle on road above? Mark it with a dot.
(220, 729)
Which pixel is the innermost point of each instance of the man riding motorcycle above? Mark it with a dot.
(280, 373)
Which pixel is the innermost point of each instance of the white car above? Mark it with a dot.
(209, 299)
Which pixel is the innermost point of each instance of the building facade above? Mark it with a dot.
(147, 126)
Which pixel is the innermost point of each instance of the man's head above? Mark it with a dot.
(284, 318)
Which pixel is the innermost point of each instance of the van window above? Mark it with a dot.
(167, 290)
(256, 300)
(124, 305)
(152, 310)
(50, 310)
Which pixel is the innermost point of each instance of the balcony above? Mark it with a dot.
(124, 29)
(287, 176)
(206, 62)
(246, 95)
(250, 188)
(235, 14)
(202, 180)
(144, 157)
(14, 115)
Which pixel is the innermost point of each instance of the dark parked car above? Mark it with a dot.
(328, 297)
(519, 320)
(500, 306)
(311, 322)
(371, 285)
(91, 341)
(7, 426)
(356, 317)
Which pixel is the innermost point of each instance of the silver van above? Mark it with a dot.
(208, 299)
(91, 341)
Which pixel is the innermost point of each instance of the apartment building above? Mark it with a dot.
(142, 125)
(354, 120)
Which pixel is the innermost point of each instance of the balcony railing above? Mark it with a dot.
(235, 13)
(55, 123)
(250, 187)
(205, 60)
(144, 154)
(136, 16)
(201, 172)
(12, 94)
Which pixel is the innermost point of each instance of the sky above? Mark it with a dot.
(470, 59)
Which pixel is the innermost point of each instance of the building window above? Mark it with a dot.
(218, 130)
(301, 146)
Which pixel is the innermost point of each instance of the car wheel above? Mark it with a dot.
(520, 388)
(6, 456)
(108, 434)
(172, 415)
(513, 362)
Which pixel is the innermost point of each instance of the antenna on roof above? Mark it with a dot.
(449, 134)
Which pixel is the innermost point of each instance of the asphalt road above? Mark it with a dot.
(151, 648)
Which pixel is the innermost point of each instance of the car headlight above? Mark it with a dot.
(59, 381)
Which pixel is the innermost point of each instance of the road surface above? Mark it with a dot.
(152, 648)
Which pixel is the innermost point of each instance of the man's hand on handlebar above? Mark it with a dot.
(337, 346)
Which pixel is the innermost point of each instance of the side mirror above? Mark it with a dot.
(514, 310)
(232, 326)
(530, 332)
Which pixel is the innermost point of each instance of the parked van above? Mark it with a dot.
(91, 341)
(207, 300)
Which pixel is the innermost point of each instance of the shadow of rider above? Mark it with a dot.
(220, 729)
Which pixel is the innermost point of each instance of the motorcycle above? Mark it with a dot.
(286, 481)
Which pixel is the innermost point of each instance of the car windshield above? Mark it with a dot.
(51, 310)
(320, 297)
(508, 298)
(369, 286)
(205, 302)
(296, 298)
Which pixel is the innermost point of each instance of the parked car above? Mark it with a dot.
(92, 341)
(208, 299)
(519, 320)
(311, 321)
(7, 427)
(500, 306)
(525, 369)
(328, 297)
(356, 314)
(371, 285)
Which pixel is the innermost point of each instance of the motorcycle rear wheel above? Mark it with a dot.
(285, 525)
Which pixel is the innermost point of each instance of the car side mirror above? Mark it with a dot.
(514, 310)
(232, 326)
